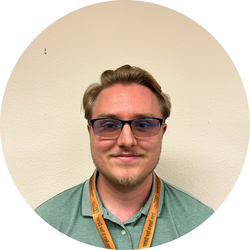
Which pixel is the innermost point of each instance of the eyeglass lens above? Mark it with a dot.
(111, 128)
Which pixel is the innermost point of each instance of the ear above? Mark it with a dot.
(88, 127)
(164, 128)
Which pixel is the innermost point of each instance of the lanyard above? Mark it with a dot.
(149, 226)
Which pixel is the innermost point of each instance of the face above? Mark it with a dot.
(126, 160)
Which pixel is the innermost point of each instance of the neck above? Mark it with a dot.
(121, 202)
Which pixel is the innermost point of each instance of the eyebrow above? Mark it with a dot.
(140, 115)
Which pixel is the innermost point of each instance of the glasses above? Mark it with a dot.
(141, 127)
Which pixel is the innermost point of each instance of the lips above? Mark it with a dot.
(127, 157)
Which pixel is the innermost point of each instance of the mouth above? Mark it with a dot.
(127, 156)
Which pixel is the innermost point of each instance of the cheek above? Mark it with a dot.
(154, 154)
(151, 145)
(152, 149)
(99, 150)
(99, 146)
(97, 153)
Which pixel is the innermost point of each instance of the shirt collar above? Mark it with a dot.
(146, 206)
(86, 209)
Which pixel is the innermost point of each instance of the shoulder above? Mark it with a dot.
(59, 208)
(185, 201)
(184, 209)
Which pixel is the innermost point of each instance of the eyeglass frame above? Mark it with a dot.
(129, 122)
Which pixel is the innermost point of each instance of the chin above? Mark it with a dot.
(128, 181)
(125, 181)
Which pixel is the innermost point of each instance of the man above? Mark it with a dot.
(125, 205)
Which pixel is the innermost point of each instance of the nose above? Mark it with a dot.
(126, 137)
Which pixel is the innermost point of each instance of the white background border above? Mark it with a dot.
(228, 21)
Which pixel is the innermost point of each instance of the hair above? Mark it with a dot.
(125, 75)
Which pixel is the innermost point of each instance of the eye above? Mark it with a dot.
(108, 125)
(142, 125)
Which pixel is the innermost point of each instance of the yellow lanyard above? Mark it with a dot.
(149, 226)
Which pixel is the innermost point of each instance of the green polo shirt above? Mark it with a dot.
(70, 213)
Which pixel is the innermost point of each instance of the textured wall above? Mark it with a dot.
(44, 136)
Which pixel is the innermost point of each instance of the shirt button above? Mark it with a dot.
(123, 232)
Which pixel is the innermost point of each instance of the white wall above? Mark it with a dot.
(44, 135)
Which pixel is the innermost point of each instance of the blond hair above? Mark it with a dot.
(125, 75)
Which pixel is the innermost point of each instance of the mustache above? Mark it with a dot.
(132, 152)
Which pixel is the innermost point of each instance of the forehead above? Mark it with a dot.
(126, 101)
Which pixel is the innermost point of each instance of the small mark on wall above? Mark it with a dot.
(45, 51)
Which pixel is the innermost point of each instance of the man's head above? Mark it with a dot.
(125, 75)
(126, 153)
